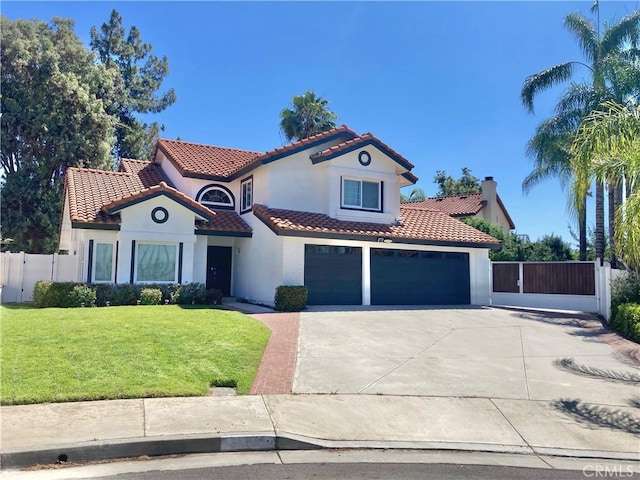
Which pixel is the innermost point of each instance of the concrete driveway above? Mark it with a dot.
(467, 352)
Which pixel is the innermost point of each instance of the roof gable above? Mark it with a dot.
(359, 142)
(95, 197)
(162, 189)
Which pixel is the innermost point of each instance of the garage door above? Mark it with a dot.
(411, 277)
(333, 275)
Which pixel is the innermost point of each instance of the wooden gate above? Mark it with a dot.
(556, 285)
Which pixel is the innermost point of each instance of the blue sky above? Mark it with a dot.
(437, 81)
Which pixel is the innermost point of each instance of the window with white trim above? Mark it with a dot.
(103, 264)
(246, 194)
(156, 263)
(216, 197)
(362, 194)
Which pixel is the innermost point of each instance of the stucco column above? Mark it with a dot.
(366, 275)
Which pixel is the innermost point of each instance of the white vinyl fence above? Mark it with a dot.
(20, 271)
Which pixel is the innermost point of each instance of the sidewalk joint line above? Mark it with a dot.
(513, 426)
(273, 423)
(144, 417)
(406, 361)
(524, 365)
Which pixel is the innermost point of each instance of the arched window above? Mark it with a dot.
(216, 196)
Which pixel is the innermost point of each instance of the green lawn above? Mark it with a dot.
(59, 355)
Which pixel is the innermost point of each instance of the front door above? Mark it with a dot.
(219, 269)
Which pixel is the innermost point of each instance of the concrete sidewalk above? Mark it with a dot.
(84, 431)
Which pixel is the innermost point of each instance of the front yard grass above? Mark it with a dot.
(73, 354)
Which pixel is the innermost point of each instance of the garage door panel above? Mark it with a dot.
(409, 277)
(333, 275)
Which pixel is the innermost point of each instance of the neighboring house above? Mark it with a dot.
(486, 205)
(322, 212)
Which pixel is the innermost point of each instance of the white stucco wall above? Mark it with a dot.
(137, 224)
(257, 263)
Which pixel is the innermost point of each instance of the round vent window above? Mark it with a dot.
(364, 158)
(159, 215)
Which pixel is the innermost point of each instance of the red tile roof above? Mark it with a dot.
(221, 163)
(149, 173)
(206, 160)
(358, 142)
(116, 205)
(421, 226)
(454, 205)
(463, 205)
(95, 196)
(338, 132)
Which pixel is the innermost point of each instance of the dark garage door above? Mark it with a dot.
(411, 277)
(333, 275)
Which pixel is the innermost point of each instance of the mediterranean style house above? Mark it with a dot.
(323, 212)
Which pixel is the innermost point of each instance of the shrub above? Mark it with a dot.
(627, 321)
(624, 289)
(150, 296)
(124, 294)
(53, 294)
(42, 293)
(291, 298)
(189, 294)
(213, 296)
(82, 295)
(104, 293)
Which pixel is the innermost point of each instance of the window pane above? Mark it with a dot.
(156, 263)
(104, 262)
(370, 195)
(351, 193)
(247, 194)
(216, 196)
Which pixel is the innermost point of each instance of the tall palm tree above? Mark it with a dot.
(600, 51)
(607, 147)
(308, 116)
(550, 150)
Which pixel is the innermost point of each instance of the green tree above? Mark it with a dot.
(604, 54)
(607, 147)
(139, 79)
(513, 249)
(416, 195)
(52, 118)
(447, 185)
(308, 115)
(549, 248)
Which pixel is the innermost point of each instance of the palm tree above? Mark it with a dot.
(607, 147)
(550, 150)
(602, 52)
(308, 116)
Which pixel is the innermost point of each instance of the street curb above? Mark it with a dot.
(114, 449)
(262, 442)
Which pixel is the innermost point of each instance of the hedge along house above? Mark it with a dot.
(323, 212)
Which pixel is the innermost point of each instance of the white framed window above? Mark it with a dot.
(216, 196)
(103, 263)
(362, 194)
(156, 263)
(246, 194)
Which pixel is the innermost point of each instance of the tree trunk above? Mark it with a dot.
(611, 192)
(582, 226)
(600, 221)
